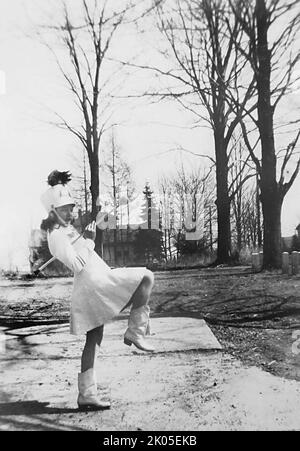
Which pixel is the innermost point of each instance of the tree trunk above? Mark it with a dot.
(223, 201)
(165, 244)
(169, 244)
(94, 188)
(210, 232)
(94, 167)
(272, 232)
(239, 230)
(258, 221)
(270, 196)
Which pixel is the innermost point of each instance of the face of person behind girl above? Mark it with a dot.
(66, 213)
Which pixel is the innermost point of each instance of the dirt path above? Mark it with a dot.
(168, 391)
(252, 384)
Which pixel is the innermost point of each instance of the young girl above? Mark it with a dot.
(99, 292)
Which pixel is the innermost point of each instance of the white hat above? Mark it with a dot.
(58, 194)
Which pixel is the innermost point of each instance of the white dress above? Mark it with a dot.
(99, 292)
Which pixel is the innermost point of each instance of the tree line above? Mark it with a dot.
(230, 63)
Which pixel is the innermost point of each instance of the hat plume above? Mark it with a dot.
(57, 177)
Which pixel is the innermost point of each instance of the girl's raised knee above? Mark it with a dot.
(148, 277)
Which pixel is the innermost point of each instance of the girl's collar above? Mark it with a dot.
(58, 226)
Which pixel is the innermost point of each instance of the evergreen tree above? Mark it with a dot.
(148, 243)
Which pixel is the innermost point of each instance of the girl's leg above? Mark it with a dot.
(93, 339)
(142, 294)
(138, 323)
(87, 381)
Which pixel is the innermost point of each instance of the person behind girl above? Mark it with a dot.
(99, 292)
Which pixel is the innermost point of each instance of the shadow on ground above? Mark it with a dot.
(34, 415)
(32, 408)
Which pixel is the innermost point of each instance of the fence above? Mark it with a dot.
(290, 262)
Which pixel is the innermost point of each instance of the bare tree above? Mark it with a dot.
(272, 28)
(117, 177)
(80, 186)
(241, 171)
(202, 37)
(89, 75)
(167, 211)
(251, 227)
(116, 183)
(184, 198)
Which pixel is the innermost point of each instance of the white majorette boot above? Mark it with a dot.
(138, 324)
(87, 387)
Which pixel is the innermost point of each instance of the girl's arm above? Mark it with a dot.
(61, 248)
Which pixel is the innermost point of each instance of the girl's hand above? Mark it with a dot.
(90, 231)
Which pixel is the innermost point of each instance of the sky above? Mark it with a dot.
(31, 88)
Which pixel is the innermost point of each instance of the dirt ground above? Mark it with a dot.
(255, 317)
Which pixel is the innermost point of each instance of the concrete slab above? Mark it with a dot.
(168, 334)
